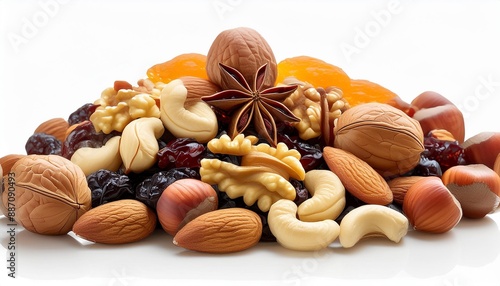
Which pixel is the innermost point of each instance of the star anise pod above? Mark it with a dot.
(257, 103)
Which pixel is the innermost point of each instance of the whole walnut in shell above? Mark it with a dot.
(243, 49)
(383, 136)
(51, 193)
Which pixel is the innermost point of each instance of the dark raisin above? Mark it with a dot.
(107, 186)
(181, 152)
(82, 113)
(43, 144)
(84, 135)
(427, 167)
(301, 193)
(150, 190)
(446, 153)
(311, 153)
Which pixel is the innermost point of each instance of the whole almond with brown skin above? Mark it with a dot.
(359, 178)
(116, 222)
(56, 127)
(221, 231)
(400, 185)
(8, 161)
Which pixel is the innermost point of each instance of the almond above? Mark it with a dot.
(400, 185)
(8, 161)
(116, 222)
(221, 231)
(359, 178)
(56, 127)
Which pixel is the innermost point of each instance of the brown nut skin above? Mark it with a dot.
(243, 49)
(117, 222)
(381, 135)
(434, 111)
(476, 187)
(361, 180)
(184, 200)
(221, 231)
(482, 148)
(431, 207)
(51, 193)
(56, 127)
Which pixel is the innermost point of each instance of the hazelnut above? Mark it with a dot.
(482, 148)
(184, 200)
(434, 111)
(431, 207)
(476, 187)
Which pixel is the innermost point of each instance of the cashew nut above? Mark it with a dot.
(328, 196)
(196, 121)
(139, 144)
(107, 157)
(372, 221)
(294, 234)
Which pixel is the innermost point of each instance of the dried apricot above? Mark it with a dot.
(190, 64)
(364, 91)
(313, 71)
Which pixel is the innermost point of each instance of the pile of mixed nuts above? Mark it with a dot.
(225, 162)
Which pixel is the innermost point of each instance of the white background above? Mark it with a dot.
(58, 55)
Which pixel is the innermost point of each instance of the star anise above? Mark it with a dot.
(257, 103)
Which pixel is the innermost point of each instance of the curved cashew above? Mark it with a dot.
(372, 221)
(139, 145)
(196, 121)
(253, 183)
(328, 196)
(294, 234)
(93, 159)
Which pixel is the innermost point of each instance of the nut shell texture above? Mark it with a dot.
(51, 193)
(243, 49)
(383, 136)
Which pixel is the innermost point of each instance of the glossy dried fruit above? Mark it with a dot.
(108, 186)
(383, 136)
(51, 193)
(364, 91)
(314, 71)
(189, 64)
(43, 144)
(150, 189)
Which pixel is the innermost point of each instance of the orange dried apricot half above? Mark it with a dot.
(364, 91)
(313, 71)
(189, 64)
